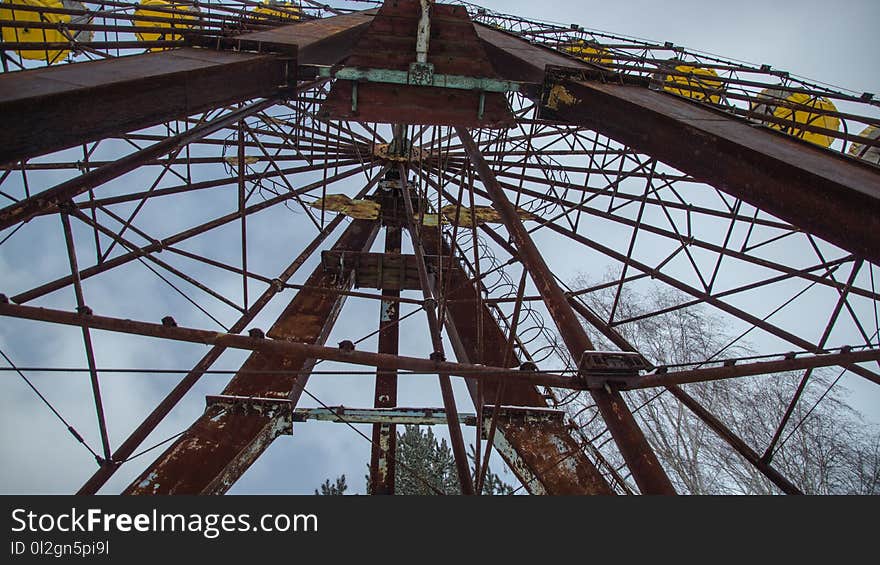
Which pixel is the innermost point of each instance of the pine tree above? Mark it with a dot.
(422, 458)
(338, 489)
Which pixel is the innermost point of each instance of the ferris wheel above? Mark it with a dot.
(224, 221)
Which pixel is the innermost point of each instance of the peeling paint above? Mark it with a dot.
(517, 465)
(389, 311)
(559, 95)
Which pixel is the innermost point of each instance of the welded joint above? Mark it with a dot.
(607, 369)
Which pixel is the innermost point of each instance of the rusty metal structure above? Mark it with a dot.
(213, 168)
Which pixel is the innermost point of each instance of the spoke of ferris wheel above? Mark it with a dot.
(67, 190)
(720, 250)
(805, 273)
(844, 291)
(163, 264)
(343, 150)
(806, 376)
(709, 299)
(173, 239)
(165, 168)
(714, 300)
(201, 185)
(87, 337)
(283, 178)
(612, 183)
(167, 404)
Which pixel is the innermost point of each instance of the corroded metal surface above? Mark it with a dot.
(391, 271)
(51, 108)
(382, 461)
(221, 445)
(477, 338)
(390, 43)
(55, 107)
(835, 198)
(639, 456)
(320, 42)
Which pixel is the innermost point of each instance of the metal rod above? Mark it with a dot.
(26, 209)
(383, 455)
(128, 447)
(87, 337)
(640, 458)
(456, 439)
(738, 444)
(758, 368)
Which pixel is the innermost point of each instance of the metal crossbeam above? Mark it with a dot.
(392, 76)
(273, 407)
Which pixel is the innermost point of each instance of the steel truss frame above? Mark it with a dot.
(565, 165)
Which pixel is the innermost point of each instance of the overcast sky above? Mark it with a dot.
(831, 42)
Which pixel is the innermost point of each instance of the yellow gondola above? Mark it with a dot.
(278, 9)
(810, 110)
(40, 34)
(690, 81)
(590, 52)
(172, 20)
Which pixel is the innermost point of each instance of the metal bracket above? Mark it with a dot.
(420, 78)
(599, 369)
(283, 409)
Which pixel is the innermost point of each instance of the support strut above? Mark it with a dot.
(642, 462)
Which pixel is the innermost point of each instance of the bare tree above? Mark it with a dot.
(826, 448)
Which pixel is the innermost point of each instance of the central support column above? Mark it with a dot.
(385, 435)
(636, 451)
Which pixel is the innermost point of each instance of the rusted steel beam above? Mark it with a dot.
(382, 456)
(325, 41)
(233, 341)
(52, 108)
(538, 447)
(389, 271)
(390, 44)
(637, 453)
(757, 368)
(514, 58)
(221, 445)
(822, 193)
(127, 448)
(548, 458)
(734, 441)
